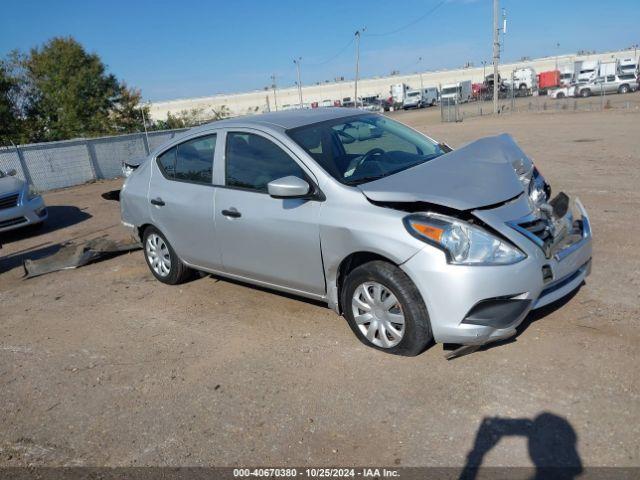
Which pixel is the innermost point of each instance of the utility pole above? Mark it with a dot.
(496, 52)
(420, 67)
(557, 53)
(144, 124)
(358, 33)
(297, 62)
(275, 98)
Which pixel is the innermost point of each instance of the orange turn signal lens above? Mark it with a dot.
(434, 233)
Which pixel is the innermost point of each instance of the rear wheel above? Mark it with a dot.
(560, 95)
(623, 89)
(585, 93)
(162, 259)
(385, 309)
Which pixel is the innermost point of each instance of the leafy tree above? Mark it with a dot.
(68, 92)
(192, 118)
(9, 117)
(127, 112)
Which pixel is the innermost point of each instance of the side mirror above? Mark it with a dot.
(12, 172)
(288, 187)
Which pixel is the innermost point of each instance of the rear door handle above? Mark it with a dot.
(157, 201)
(232, 213)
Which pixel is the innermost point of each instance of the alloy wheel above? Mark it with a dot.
(158, 254)
(378, 314)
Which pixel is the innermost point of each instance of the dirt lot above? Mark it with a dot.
(106, 366)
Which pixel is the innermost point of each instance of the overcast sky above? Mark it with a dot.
(175, 49)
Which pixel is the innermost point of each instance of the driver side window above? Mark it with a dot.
(252, 162)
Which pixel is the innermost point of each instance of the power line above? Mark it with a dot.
(333, 57)
(410, 24)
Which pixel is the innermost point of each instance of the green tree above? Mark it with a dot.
(192, 118)
(8, 114)
(68, 92)
(126, 114)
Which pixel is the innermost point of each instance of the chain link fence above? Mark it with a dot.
(52, 165)
(454, 111)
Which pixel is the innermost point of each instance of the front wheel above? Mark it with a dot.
(162, 259)
(385, 309)
(585, 93)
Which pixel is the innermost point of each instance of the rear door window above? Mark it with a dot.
(190, 161)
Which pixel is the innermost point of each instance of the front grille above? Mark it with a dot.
(539, 228)
(12, 221)
(9, 201)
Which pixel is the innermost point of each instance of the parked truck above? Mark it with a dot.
(629, 65)
(399, 92)
(459, 92)
(568, 73)
(548, 80)
(588, 71)
(524, 81)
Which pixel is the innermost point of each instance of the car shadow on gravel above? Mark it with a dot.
(60, 216)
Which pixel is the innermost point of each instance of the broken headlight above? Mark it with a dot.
(462, 242)
(538, 190)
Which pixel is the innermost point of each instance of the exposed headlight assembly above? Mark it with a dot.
(538, 190)
(462, 242)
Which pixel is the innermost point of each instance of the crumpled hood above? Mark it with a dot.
(10, 185)
(479, 174)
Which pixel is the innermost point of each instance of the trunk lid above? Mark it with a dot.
(479, 174)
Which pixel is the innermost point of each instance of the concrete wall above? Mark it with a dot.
(256, 101)
(72, 162)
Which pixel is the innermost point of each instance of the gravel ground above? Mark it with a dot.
(106, 366)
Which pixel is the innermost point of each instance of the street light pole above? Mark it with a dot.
(557, 53)
(297, 62)
(420, 67)
(358, 33)
(273, 84)
(496, 52)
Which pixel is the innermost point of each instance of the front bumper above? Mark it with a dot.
(26, 212)
(453, 293)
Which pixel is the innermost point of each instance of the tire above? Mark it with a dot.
(560, 95)
(409, 337)
(624, 89)
(169, 269)
(585, 93)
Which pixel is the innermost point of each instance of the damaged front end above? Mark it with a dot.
(516, 248)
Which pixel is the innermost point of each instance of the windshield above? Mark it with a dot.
(413, 94)
(363, 148)
(449, 90)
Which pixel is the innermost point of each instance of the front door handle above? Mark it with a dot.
(157, 201)
(232, 213)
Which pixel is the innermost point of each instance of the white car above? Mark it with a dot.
(20, 204)
(562, 92)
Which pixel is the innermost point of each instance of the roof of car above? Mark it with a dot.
(287, 119)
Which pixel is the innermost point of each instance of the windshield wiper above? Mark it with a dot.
(370, 178)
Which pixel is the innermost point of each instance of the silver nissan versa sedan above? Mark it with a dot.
(408, 239)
